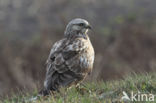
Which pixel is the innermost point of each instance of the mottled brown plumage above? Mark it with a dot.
(70, 59)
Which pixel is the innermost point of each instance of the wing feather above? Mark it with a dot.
(63, 52)
(63, 58)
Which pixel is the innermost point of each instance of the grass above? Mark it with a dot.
(96, 92)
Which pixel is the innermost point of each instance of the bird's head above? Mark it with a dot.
(77, 26)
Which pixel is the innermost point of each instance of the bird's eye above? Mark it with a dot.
(81, 24)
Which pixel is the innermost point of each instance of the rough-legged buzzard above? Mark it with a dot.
(70, 59)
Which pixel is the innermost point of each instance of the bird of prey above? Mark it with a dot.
(70, 59)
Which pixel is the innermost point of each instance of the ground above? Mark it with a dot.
(97, 92)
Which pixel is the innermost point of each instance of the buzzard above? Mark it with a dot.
(70, 59)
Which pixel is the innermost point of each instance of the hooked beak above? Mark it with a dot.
(88, 27)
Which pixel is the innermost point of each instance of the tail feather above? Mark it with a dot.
(44, 92)
(57, 80)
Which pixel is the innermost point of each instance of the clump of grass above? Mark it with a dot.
(95, 92)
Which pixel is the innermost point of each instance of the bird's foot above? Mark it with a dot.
(82, 89)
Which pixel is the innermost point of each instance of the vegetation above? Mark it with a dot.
(123, 36)
(99, 92)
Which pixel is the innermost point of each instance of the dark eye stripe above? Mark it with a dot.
(81, 24)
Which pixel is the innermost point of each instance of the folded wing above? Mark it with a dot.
(63, 66)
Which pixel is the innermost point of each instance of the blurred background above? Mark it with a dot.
(124, 38)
